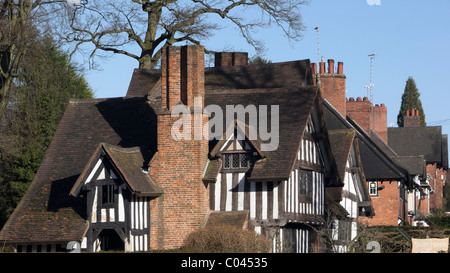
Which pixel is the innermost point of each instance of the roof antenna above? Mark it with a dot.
(371, 85)
(318, 52)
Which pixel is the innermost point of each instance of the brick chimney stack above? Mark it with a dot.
(178, 166)
(332, 85)
(368, 117)
(380, 121)
(230, 58)
(360, 110)
(412, 118)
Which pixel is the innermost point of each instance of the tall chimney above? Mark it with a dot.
(321, 68)
(178, 166)
(332, 86)
(360, 110)
(340, 68)
(330, 66)
(380, 121)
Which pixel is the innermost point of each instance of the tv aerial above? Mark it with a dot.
(371, 85)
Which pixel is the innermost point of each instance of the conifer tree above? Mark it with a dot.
(410, 100)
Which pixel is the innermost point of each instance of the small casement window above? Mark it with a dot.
(305, 182)
(236, 161)
(373, 188)
(345, 230)
(107, 194)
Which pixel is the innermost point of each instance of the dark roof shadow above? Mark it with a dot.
(135, 123)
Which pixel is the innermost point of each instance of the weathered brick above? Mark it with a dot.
(178, 168)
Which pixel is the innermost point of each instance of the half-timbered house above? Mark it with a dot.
(284, 189)
(117, 199)
(114, 177)
(353, 196)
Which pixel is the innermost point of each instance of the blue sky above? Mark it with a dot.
(409, 37)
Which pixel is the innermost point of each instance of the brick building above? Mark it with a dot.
(432, 145)
(393, 169)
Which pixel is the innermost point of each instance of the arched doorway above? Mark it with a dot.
(110, 240)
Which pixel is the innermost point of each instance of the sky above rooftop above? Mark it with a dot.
(409, 38)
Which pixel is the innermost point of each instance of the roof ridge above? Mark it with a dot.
(120, 148)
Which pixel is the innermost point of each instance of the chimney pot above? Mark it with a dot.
(340, 68)
(322, 67)
(382, 105)
(314, 68)
(331, 66)
(365, 99)
(352, 99)
(407, 113)
(417, 112)
(358, 99)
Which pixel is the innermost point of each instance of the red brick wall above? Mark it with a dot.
(360, 110)
(386, 206)
(178, 166)
(380, 121)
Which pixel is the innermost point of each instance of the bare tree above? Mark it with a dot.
(18, 27)
(141, 28)
(14, 32)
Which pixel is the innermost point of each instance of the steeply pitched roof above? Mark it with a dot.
(276, 165)
(142, 81)
(415, 165)
(129, 165)
(47, 212)
(341, 143)
(376, 163)
(427, 141)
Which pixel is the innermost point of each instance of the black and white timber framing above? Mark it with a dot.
(284, 210)
(345, 230)
(123, 215)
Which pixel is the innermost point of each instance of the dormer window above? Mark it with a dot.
(238, 155)
(236, 160)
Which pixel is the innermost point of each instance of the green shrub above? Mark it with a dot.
(226, 239)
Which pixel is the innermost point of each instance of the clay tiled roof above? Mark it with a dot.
(295, 106)
(142, 81)
(274, 75)
(341, 143)
(227, 218)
